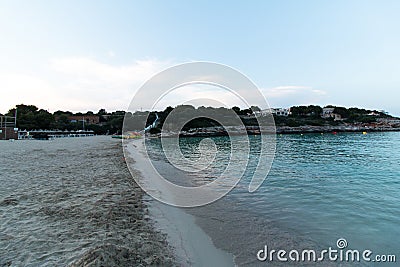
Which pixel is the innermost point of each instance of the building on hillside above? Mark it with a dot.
(275, 111)
(262, 113)
(329, 113)
(281, 111)
(87, 119)
(390, 121)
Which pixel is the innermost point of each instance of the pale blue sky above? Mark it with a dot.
(84, 55)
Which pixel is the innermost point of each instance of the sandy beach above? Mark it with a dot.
(73, 202)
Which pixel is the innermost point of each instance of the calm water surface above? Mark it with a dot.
(320, 188)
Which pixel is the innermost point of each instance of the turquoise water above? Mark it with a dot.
(335, 186)
(320, 188)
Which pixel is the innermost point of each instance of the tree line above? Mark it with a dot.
(31, 117)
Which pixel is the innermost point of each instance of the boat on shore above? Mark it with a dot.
(130, 135)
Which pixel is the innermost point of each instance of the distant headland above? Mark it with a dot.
(296, 119)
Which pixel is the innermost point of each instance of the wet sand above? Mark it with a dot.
(192, 246)
(73, 202)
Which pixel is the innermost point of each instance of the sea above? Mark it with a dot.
(323, 191)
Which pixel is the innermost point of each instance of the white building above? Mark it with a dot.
(327, 113)
(275, 111)
(281, 111)
(384, 112)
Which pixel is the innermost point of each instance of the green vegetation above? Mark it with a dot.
(306, 111)
(312, 115)
(31, 117)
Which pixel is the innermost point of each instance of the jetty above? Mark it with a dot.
(51, 134)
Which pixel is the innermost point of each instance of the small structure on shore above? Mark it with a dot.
(128, 135)
(8, 127)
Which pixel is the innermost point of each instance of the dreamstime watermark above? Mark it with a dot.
(200, 73)
(338, 254)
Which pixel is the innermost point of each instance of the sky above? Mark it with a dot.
(87, 55)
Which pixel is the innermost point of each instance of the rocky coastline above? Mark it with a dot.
(305, 129)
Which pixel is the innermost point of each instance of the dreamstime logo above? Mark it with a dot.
(341, 253)
(199, 73)
(341, 243)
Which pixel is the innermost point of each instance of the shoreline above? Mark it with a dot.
(214, 227)
(329, 129)
(191, 245)
(215, 132)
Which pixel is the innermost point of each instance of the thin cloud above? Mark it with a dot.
(87, 69)
(100, 84)
(283, 91)
(294, 95)
(200, 95)
(82, 83)
(25, 88)
(111, 53)
(78, 84)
